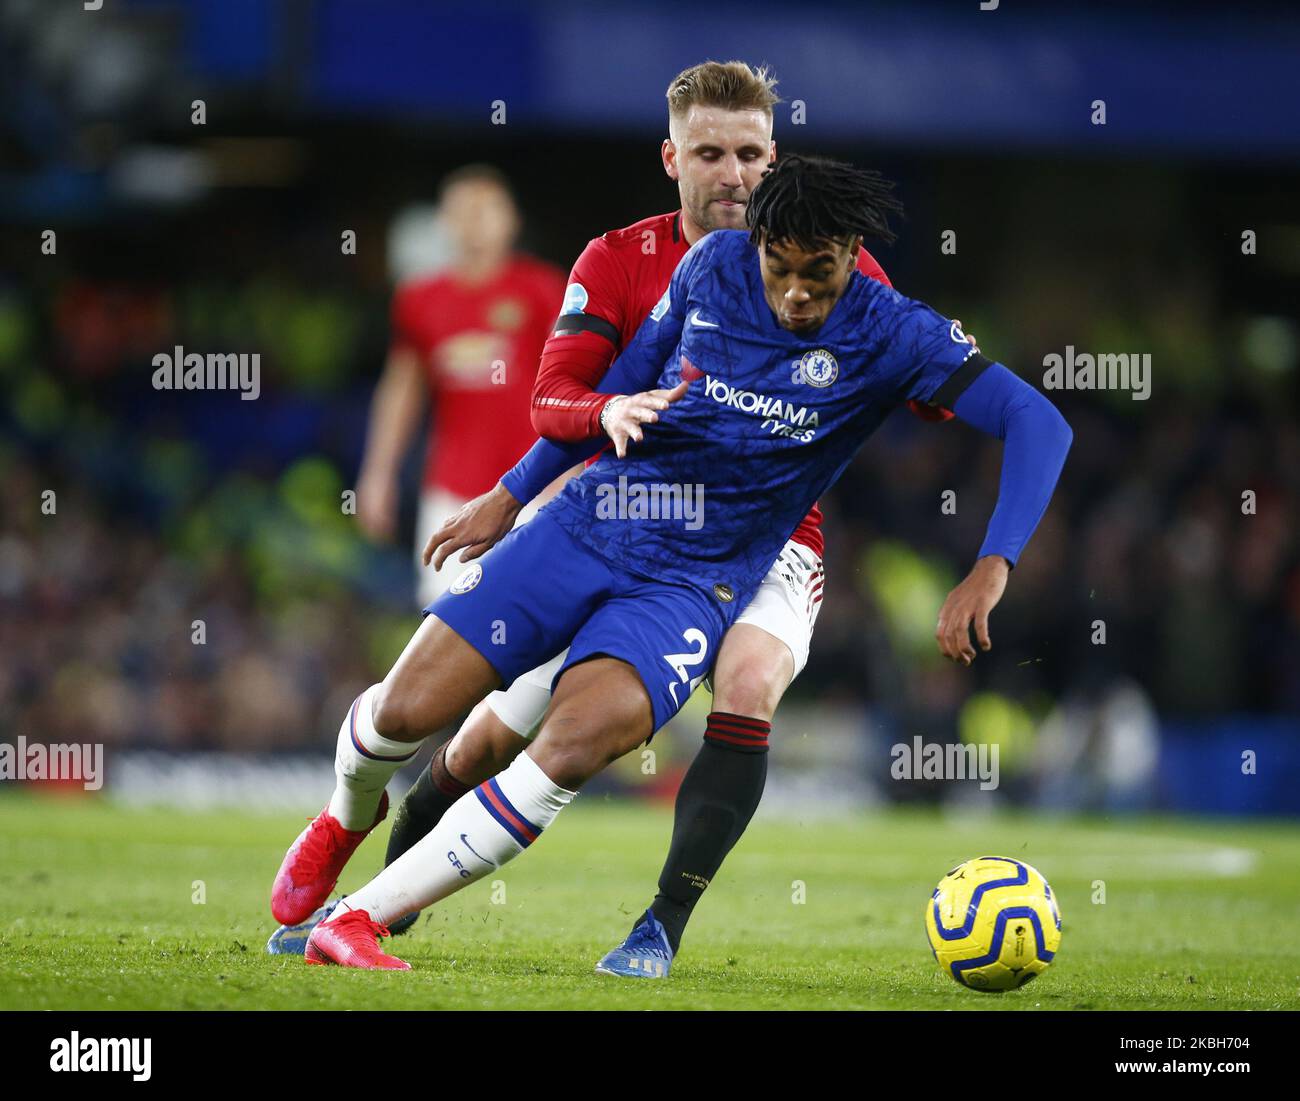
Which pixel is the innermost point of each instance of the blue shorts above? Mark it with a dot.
(540, 590)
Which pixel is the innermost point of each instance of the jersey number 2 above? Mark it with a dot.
(680, 662)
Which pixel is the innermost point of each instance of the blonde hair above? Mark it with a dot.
(731, 85)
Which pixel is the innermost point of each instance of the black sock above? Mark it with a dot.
(718, 797)
(423, 806)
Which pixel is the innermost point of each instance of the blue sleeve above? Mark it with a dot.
(926, 356)
(1036, 439)
(636, 370)
(543, 463)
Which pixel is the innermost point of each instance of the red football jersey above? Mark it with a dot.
(479, 344)
(615, 284)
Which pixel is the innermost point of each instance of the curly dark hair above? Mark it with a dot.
(807, 200)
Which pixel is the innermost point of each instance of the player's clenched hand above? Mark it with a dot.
(970, 602)
(478, 526)
(623, 417)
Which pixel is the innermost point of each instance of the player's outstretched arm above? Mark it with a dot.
(483, 522)
(572, 424)
(1036, 440)
(632, 400)
(557, 395)
(487, 519)
(396, 411)
(562, 389)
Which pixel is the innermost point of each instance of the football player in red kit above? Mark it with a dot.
(465, 346)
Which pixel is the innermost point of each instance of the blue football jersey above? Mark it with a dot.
(769, 422)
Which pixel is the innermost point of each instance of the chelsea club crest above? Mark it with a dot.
(469, 577)
(818, 368)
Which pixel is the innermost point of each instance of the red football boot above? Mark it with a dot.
(352, 941)
(313, 863)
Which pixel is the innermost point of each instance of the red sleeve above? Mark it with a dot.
(565, 405)
(581, 348)
(870, 267)
(930, 412)
(402, 318)
(603, 288)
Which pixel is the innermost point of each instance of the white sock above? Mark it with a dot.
(483, 829)
(363, 764)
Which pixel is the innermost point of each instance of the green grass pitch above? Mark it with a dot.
(98, 911)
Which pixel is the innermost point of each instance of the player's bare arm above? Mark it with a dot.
(483, 522)
(480, 524)
(395, 415)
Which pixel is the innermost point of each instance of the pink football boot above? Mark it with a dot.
(312, 865)
(352, 941)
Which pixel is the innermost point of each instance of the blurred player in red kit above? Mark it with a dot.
(465, 346)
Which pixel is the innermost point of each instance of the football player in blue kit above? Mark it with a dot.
(749, 388)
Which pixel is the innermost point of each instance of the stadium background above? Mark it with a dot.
(338, 114)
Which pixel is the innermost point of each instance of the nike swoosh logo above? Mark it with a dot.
(693, 684)
(695, 320)
(476, 852)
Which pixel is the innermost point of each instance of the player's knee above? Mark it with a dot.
(396, 714)
(569, 766)
(599, 712)
(753, 671)
(752, 688)
(505, 746)
(482, 747)
(570, 754)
